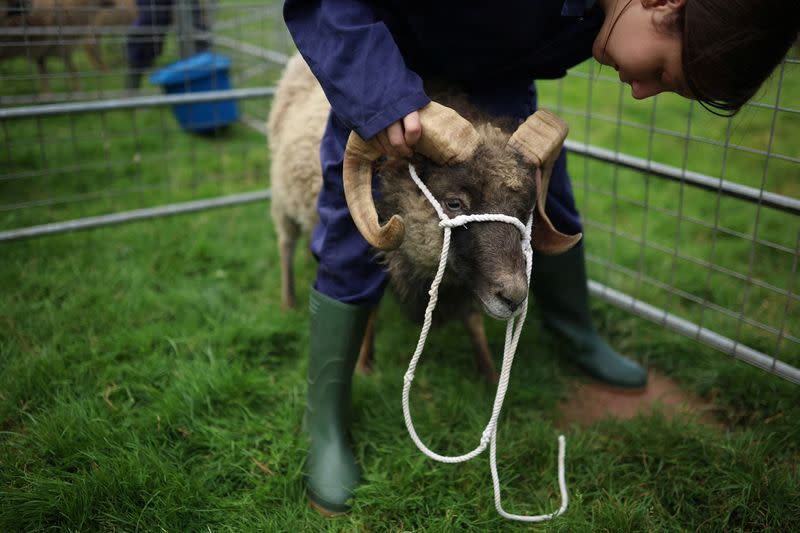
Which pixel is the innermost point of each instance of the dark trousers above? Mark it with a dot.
(154, 17)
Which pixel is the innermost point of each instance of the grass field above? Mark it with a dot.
(150, 382)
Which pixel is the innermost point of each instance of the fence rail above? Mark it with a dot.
(138, 102)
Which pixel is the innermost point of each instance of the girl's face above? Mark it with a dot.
(640, 47)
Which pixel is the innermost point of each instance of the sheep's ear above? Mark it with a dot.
(545, 238)
(539, 140)
(447, 137)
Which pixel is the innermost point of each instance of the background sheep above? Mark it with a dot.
(486, 267)
(37, 14)
(120, 13)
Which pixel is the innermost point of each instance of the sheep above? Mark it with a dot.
(486, 268)
(113, 13)
(39, 14)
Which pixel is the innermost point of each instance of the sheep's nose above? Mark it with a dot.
(512, 297)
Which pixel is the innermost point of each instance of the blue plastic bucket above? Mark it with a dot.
(201, 72)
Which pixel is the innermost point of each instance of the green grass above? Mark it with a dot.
(150, 382)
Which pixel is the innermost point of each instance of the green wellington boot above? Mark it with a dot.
(331, 471)
(561, 291)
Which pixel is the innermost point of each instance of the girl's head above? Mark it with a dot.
(718, 52)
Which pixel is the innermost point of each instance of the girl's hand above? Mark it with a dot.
(398, 139)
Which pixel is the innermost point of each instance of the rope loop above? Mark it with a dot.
(489, 434)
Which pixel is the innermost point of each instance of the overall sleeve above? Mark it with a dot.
(356, 60)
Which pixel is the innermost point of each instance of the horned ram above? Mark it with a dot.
(488, 169)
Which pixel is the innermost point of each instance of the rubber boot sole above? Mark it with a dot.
(327, 513)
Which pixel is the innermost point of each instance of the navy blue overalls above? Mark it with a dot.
(369, 56)
(155, 16)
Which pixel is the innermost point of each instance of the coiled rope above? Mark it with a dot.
(489, 435)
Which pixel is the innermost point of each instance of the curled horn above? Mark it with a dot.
(447, 138)
(539, 140)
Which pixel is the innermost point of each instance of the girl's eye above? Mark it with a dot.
(453, 204)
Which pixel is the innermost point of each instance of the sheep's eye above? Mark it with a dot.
(453, 204)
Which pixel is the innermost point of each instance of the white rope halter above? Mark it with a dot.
(489, 434)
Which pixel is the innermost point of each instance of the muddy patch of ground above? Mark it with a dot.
(589, 402)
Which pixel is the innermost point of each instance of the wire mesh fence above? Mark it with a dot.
(692, 220)
(104, 148)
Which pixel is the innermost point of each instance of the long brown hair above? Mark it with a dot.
(731, 47)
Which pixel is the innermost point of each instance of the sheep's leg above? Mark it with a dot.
(95, 56)
(483, 356)
(288, 234)
(73, 73)
(41, 65)
(367, 352)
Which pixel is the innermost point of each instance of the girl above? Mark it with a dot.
(371, 57)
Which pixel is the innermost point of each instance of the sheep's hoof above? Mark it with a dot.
(365, 365)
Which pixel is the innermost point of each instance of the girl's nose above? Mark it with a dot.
(640, 90)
